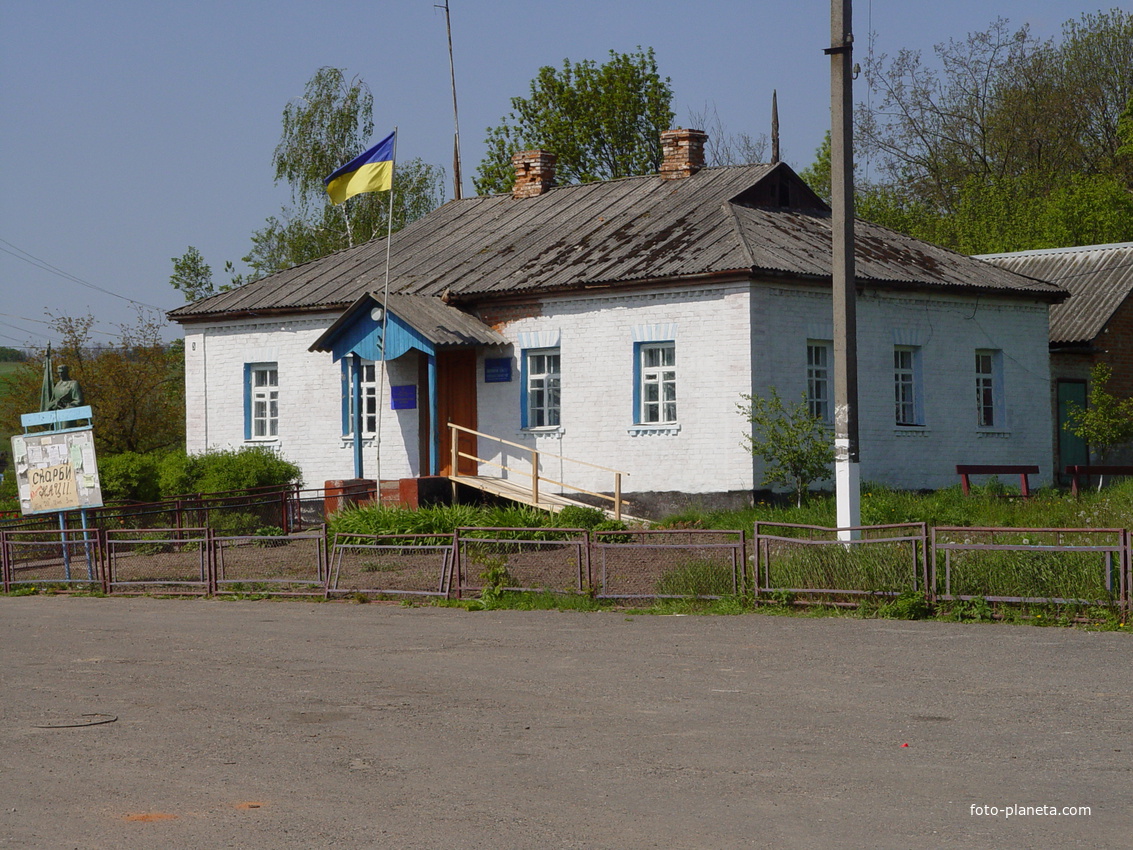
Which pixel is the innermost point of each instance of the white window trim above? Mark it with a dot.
(998, 407)
(553, 385)
(916, 383)
(827, 379)
(265, 394)
(369, 388)
(647, 376)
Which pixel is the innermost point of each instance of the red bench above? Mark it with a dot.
(964, 470)
(1087, 470)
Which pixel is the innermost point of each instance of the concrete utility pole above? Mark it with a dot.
(847, 474)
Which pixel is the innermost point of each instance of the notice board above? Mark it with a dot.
(56, 471)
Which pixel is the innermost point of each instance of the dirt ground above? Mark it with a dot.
(299, 724)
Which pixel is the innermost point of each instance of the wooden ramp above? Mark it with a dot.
(521, 493)
(529, 486)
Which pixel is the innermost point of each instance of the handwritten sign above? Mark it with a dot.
(56, 471)
(53, 488)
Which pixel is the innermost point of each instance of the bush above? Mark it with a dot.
(575, 516)
(129, 477)
(242, 469)
(234, 524)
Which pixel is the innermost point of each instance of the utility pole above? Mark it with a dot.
(847, 473)
(456, 179)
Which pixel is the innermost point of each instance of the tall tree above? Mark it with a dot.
(322, 130)
(1006, 142)
(601, 121)
(192, 276)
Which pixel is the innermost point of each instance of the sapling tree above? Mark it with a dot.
(1107, 421)
(796, 447)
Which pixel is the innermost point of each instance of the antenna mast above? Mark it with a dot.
(456, 179)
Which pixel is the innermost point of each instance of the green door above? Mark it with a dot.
(1072, 450)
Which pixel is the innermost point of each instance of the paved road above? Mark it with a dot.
(291, 724)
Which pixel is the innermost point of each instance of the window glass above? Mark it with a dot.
(658, 377)
(543, 388)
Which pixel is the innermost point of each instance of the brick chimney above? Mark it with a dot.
(683, 153)
(534, 173)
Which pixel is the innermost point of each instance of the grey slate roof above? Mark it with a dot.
(616, 232)
(440, 323)
(1099, 278)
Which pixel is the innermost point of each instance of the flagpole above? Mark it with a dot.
(385, 319)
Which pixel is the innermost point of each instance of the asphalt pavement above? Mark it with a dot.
(154, 723)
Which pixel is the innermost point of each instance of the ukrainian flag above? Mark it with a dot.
(370, 172)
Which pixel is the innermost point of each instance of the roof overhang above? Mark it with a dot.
(377, 328)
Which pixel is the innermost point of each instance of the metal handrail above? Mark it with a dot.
(534, 473)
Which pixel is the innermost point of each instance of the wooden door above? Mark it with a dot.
(456, 403)
(1072, 449)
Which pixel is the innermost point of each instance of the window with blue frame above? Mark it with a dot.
(542, 383)
(368, 373)
(655, 383)
(989, 389)
(908, 388)
(261, 401)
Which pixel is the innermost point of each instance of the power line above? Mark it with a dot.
(33, 260)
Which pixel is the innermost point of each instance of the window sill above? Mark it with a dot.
(1001, 433)
(261, 440)
(555, 431)
(666, 429)
(348, 439)
(911, 431)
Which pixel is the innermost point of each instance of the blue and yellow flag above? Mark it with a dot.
(370, 172)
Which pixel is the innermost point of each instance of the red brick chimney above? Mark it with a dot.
(683, 153)
(534, 173)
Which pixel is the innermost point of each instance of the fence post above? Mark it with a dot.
(4, 561)
(456, 564)
(617, 496)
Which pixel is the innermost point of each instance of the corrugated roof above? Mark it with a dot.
(1099, 278)
(619, 231)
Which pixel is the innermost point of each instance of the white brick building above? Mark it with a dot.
(619, 323)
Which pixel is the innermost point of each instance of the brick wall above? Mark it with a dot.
(730, 339)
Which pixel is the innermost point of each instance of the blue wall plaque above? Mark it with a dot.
(403, 397)
(497, 370)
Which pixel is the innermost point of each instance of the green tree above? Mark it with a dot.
(817, 174)
(797, 449)
(292, 237)
(192, 276)
(1107, 421)
(135, 385)
(601, 121)
(11, 355)
(1005, 142)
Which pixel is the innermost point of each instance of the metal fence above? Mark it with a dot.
(668, 563)
(522, 559)
(1079, 566)
(815, 560)
(65, 557)
(1042, 565)
(395, 565)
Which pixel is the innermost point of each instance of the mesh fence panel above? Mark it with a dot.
(166, 560)
(273, 564)
(556, 565)
(381, 564)
(53, 557)
(686, 563)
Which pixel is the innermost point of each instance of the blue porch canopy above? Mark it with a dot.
(375, 329)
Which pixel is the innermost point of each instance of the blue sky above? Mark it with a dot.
(131, 130)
